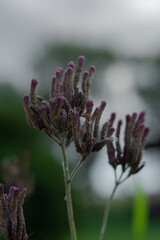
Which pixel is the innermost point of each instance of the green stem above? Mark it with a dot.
(124, 179)
(115, 175)
(68, 194)
(106, 213)
(108, 205)
(75, 170)
(53, 139)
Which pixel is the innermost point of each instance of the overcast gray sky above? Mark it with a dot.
(127, 26)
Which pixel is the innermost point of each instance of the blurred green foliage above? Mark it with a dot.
(61, 54)
(140, 215)
(64, 52)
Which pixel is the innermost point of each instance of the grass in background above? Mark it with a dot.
(140, 215)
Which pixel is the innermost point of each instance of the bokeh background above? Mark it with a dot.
(122, 39)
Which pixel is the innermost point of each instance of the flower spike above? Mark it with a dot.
(54, 116)
(135, 138)
(12, 222)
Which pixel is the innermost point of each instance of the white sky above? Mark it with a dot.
(102, 176)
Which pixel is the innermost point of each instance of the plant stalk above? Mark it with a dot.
(106, 213)
(68, 194)
(75, 170)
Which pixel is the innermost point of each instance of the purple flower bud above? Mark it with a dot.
(70, 111)
(15, 192)
(120, 122)
(5, 195)
(71, 64)
(76, 115)
(34, 82)
(1, 189)
(61, 88)
(113, 116)
(146, 131)
(89, 105)
(60, 69)
(92, 69)
(26, 98)
(69, 71)
(142, 126)
(128, 118)
(78, 109)
(58, 73)
(111, 131)
(81, 60)
(60, 99)
(43, 107)
(85, 75)
(26, 106)
(53, 80)
(52, 101)
(142, 115)
(112, 151)
(103, 104)
(11, 189)
(134, 115)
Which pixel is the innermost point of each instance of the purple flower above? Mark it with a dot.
(12, 222)
(68, 104)
(135, 137)
(53, 117)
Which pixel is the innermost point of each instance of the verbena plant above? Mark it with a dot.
(69, 117)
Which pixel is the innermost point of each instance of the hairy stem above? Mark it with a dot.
(68, 194)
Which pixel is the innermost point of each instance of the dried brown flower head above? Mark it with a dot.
(12, 222)
(134, 141)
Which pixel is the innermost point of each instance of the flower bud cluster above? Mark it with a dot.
(89, 140)
(54, 116)
(68, 104)
(12, 222)
(135, 137)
